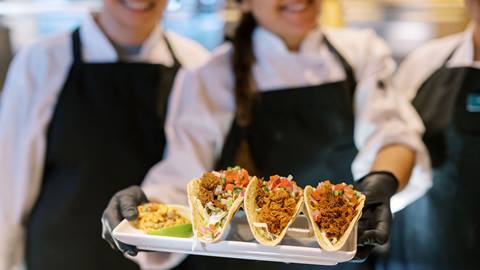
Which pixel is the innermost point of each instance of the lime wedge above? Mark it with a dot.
(183, 230)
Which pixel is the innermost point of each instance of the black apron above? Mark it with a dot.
(306, 132)
(105, 134)
(442, 229)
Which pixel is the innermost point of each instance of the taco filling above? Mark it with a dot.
(154, 216)
(334, 207)
(276, 202)
(217, 193)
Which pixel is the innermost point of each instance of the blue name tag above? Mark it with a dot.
(473, 103)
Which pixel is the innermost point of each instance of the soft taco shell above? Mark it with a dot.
(261, 234)
(197, 212)
(322, 238)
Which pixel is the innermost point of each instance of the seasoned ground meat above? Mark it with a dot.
(210, 181)
(206, 194)
(220, 205)
(277, 208)
(334, 216)
(208, 184)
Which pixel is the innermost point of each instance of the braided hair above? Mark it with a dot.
(246, 94)
(242, 62)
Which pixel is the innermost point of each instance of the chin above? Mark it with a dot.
(303, 30)
(135, 13)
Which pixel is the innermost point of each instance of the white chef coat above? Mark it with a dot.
(196, 130)
(36, 76)
(423, 62)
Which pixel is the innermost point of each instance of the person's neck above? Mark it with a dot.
(293, 43)
(122, 35)
(476, 42)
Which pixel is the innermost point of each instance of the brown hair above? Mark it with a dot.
(245, 90)
(242, 62)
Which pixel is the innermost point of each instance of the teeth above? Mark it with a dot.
(135, 5)
(296, 7)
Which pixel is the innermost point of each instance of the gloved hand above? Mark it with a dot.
(122, 205)
(374, 225)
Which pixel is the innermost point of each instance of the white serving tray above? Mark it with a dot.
(298, 246)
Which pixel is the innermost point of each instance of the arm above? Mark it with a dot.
(387, 128)
(196, 123)
(392, 165)
(21, 160)
(397, 159)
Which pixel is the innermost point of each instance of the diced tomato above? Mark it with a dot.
(316, 195)
(316, 215)
(274, 181)
(242, 184)
(239, 177)
(244, 178)
(285, 183)
(229, 187)
(230, 176)
(212, 227)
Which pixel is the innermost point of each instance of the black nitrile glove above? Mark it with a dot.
(374, 225)
(122, 205)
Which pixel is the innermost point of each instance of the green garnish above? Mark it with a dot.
(183, 230)
(236, 168)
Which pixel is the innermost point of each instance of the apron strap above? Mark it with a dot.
(351, 81)
(450, 56)
(77, 49)
(176, 63)
(76, 46)
(236, 146)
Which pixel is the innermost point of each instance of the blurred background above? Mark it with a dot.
(405, 24)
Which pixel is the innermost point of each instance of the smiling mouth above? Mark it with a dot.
(296, 7)
(141, 6)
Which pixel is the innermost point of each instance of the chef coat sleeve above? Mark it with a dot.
(22, 147)
(384, 117)
(193, 143)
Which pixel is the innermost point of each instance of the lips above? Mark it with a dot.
(138, 6)
(296, 6)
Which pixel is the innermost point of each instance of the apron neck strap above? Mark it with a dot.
(450, 56)
(176, 63)
(76, 46)
(352, 83)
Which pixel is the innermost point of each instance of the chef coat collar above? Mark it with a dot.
(98, 48)
(268, 43)
(464, 54)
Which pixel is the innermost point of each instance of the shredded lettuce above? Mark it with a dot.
(216, 217)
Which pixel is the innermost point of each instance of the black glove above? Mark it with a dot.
(374, 225)
(122, 205)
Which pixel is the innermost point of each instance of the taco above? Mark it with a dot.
(164, 220)
(271, 207)
(214, 199)
(333, 211)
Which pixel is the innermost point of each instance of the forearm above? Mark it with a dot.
(397, 159)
